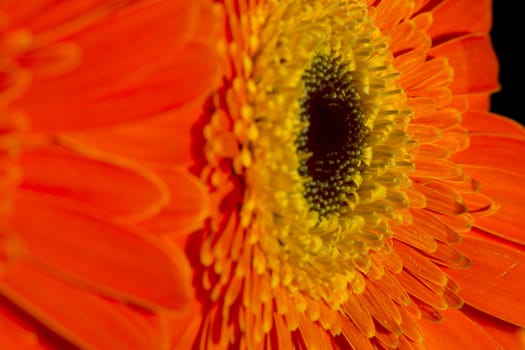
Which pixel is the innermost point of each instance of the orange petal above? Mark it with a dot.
(313, 335)
(478, 101)
(424, 5)
(10, 247)
(84, 249)
(86, 320)
(421, 291)
(443, 119)
(435, 168)
(40, 15)
(459, 103)
(103, 185)
(354, 336)
(99, 92)
(440, 96)
(505, 189)
(406, 61)
(390, 13)
(357, 314)
(158, 92)
(188, 207)
(495, 281)
(447, 255)
(441, 198)
(507, 335)
(405, 37)
(495, 151)
(282, 334)
(410, 326)
(474, 62)
(429, 224)
(381, 308)
(184, 327)
(457, 332)
(173, 142)
(14, 332)
(433, 150)
(461, 16)
(52, 60)
(419, 266)
(434, 73)
(485, 122)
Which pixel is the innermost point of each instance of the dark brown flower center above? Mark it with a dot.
(334, 137)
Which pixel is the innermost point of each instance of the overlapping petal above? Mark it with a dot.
(82, 318)
(83, 247)
(107, 171)
(96, 92)
(448, 70)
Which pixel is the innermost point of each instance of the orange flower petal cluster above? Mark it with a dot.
(89, 185)
(126, 212)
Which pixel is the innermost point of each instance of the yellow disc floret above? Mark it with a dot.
(322, 147)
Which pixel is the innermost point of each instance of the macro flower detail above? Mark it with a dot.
(331, 149)
(347, 117)
(82, 258)
(256, 174)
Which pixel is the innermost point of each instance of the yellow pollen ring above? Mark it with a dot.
(317, 255)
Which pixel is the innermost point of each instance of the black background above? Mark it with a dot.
(508, 39)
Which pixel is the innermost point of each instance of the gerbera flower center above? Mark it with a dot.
(334, 134)
(313, 124)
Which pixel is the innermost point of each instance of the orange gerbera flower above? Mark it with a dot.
(257, 174)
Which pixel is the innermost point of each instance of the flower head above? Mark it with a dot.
(257, 174)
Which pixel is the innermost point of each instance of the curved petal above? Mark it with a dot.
(507, 192)
(507, 335)
(39, 15)
(10, 247)
(432, 74)
(424, 5)
(494, 283)
(390, 13)
(188, 208)
(86, 320)
(455, 17)
(98, 183)
(99, 93)
(474, 61)
(494, 151)
(457, 332)
(478, 121)
(82, 248)
(13, 335)
(478, 101)
(185, 326)
(173, 142)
